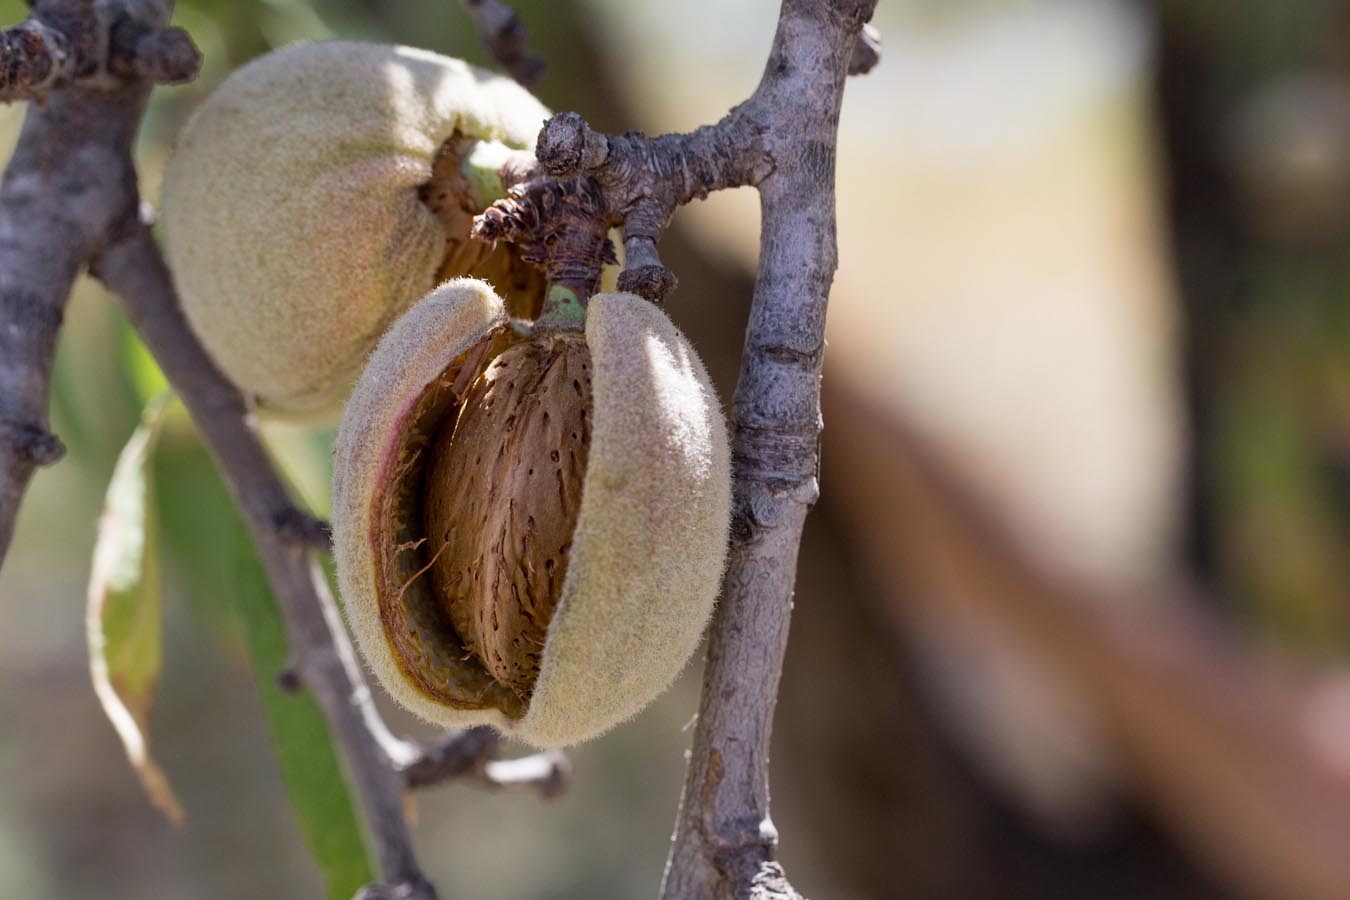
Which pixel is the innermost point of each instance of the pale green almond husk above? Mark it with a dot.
(650, 542)
(370, 454)
(291, 213)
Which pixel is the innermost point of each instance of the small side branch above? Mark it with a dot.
(33, 57)
(472, 754)
(644, 180)
(68, 42)
(160, 56)
(504, 35)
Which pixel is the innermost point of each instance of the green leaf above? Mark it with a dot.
(124, 621)
(301, 738)
(141, 369)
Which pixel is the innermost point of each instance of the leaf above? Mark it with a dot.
(301, 738)
(124, 620)
(140, 367)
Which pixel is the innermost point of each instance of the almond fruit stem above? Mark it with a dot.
(564, 310)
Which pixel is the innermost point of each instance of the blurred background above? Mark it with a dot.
(1072, 609)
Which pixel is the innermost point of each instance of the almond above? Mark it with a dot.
(316, 194)
(530, 529)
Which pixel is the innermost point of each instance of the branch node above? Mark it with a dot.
(294, 526)
(650, 282)
(645, 179)
(167, 56)
(567, 147)
(866, 52)
(289, 680)
(34, 442)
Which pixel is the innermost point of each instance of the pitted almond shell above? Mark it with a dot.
(503, 492)
(648, 548)
(294, 213)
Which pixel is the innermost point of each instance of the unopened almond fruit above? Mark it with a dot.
(321, 190)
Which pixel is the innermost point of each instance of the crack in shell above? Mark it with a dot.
(500, 580)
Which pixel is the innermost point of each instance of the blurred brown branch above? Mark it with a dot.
(1222, 747)
(504, 35)
(471, 753)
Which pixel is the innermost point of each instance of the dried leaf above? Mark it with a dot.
(124, 622)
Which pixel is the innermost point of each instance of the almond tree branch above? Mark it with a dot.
(54, 214)
(724, 839)
(782, 140)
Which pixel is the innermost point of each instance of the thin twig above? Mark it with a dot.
(471, 754)
(322, 654)
(504, 35)
(646, 179)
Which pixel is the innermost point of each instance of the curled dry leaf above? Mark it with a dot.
(124, 621)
